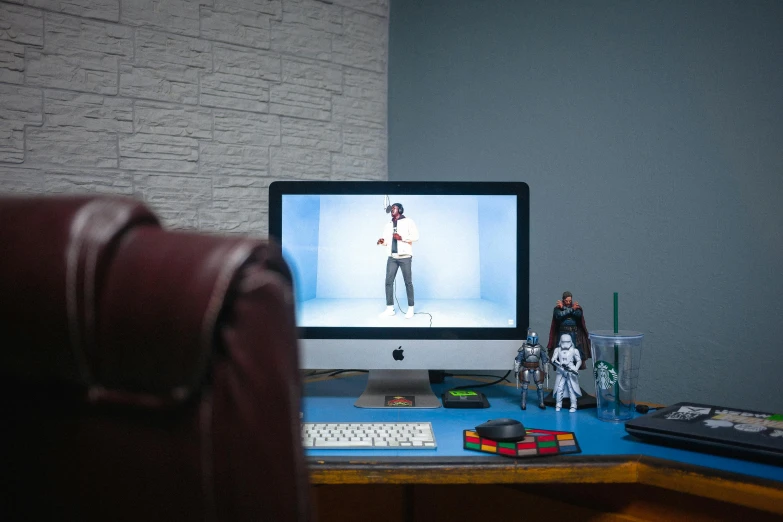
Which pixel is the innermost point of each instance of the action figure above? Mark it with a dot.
(566, 360)
(532, 360)
(568, 318)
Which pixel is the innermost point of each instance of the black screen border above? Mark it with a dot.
(278, 189)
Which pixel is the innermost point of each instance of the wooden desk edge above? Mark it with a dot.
(763, 494)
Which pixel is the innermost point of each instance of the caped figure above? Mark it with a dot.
(568, 318)
(531, 361)
(566, 360)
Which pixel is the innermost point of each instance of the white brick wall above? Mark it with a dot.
(195, 106)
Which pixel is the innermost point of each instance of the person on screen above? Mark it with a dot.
(398, 237)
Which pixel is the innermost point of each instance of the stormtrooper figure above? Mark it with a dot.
(566, 360)
(531, 361)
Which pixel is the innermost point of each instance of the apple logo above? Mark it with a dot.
(397, 354)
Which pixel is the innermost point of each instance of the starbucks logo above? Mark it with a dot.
(605, 375)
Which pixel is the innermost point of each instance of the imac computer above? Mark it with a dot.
(399, 278)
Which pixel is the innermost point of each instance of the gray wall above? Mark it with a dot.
(195, 106)
(651, 135)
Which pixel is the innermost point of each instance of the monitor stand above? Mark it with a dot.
(398, 389)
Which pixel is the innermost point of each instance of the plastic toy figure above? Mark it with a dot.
(568, 318)
(531, 359)
(566, 360)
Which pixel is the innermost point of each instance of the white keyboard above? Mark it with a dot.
(368, 435)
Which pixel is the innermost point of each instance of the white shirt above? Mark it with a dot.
(406, 228)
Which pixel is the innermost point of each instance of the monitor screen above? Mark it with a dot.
(406, 275)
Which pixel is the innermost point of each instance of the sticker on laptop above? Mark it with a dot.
(747, 422)
(688, 413)
(750, 428)
(714, 424)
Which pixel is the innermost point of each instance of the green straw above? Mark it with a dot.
(616, 362)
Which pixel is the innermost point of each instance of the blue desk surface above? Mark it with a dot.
(332, 400)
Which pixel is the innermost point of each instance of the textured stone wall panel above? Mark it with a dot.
(301, 40)
(236, 26)
(174, 16)
(311, 73)
(300, 102)
(158, 153)
(358, 53)
(239, 128)
(366, 27)
(273, 8)
(230, 91)
(229, 192)
(17, 180)
(194, 106)
(88, 111)
(360, 169)
(175, 198)
(311, 134)
(376, 7)
(355, 111)
(365, 85)
(231, 159)
(172, 120)
(160, 81)
(365, 143)
(363, 101)
(160, 48)
(79, 37)
(247, 62)
(81, 55)
(295, 163)
(231, 221)
(11, 142)
(101, 9)
(103, 181)
(166, 67)
(11, 62)
(320, 16)
(71, 147)
(21, 25)
(19, 106)
(85, 72)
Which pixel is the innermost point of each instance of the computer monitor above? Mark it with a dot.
(465, 246)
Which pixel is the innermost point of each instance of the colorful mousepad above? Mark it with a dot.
(536, 443)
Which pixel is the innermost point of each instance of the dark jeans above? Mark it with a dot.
(403, 264)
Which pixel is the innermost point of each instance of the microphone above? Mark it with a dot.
(387, 204)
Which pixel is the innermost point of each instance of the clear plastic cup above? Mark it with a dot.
(616, 361)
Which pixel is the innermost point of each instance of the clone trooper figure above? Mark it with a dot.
(566, 360)
(530, 362)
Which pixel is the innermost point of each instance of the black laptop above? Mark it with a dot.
(745, 434)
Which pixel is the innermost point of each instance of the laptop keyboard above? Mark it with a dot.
(368, 435)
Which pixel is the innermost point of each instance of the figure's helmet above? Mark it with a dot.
(532, 338)
(565, 341)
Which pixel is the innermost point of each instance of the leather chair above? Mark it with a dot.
(145, 374)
